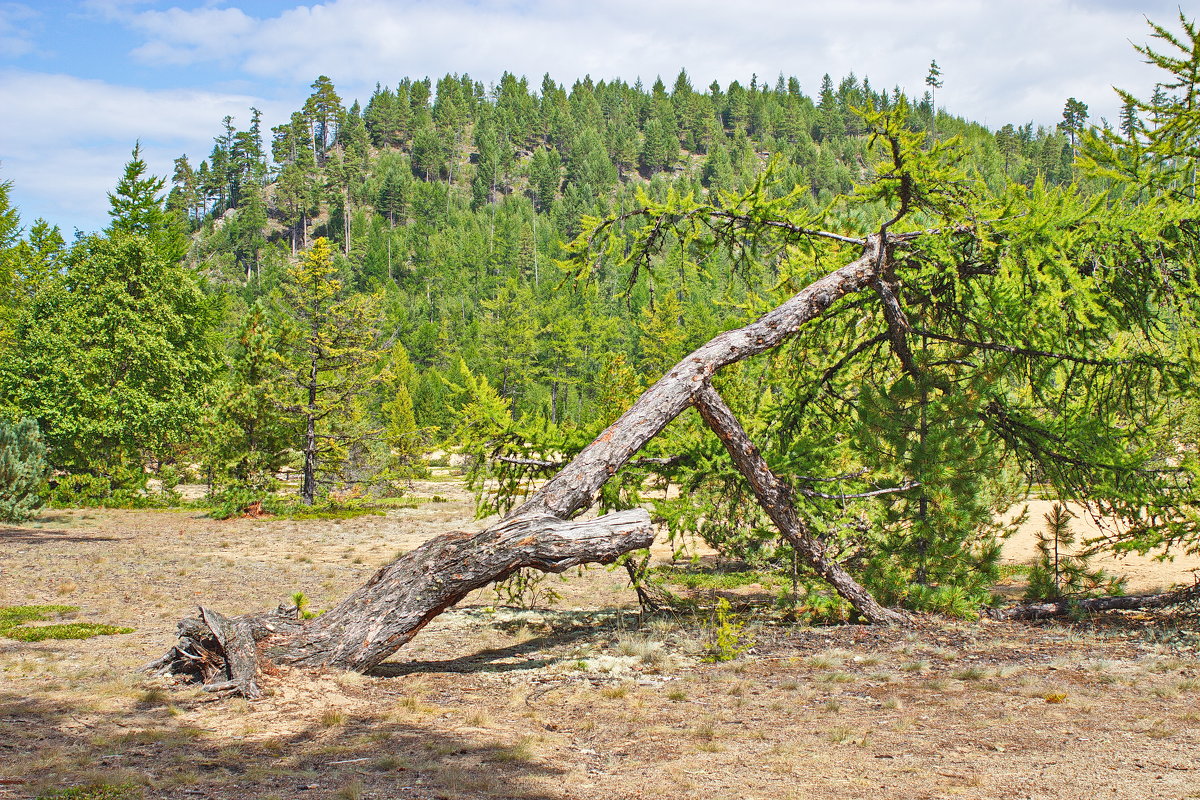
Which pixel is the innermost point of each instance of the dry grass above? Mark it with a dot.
(492, 704)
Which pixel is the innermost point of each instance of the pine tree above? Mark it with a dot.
(509, 333)
(138, 208)
(933, 79)
(1074, 116)
(323, 110)
(246, 435)
(10, 292)
(1060, 570)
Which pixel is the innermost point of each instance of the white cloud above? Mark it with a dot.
(76, 135)
(1010, 61)
(15, 36)
(176, 36)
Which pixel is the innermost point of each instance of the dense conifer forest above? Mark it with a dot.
(369, 283)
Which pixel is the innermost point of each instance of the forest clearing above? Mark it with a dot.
(578, 698)
(608, 439)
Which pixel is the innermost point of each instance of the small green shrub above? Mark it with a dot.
(953, 601)
(300, 601)
(22, 467)
(729, 638)
(243, 501)
(126, 489)
(692, 578)
(1058, 573)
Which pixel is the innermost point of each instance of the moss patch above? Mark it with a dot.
(12, 619)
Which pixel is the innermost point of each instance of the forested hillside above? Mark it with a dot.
(363, 285)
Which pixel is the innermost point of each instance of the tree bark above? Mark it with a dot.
(398, 600)
(385, 613)
(775, 498)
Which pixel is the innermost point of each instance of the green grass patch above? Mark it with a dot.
(70, 630)
(11, 616)
(13, 619)
(700, 578)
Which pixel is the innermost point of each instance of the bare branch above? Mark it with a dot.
(775, 499)
(904, 487)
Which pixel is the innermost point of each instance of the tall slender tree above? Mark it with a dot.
(330, 358)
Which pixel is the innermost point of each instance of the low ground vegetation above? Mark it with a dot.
(586, 697)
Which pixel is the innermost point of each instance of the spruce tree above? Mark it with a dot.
(22, 468)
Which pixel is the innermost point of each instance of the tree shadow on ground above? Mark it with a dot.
(51, 744)
(496, 660)
(48, 536)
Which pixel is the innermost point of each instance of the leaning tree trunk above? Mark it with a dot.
(386, 612)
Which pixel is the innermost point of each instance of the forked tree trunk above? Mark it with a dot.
(386, 612)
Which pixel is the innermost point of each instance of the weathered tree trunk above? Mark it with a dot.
(775, 499)
(1129, 602)
(385, 613)
(399, 599)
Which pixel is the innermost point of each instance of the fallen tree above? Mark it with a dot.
(1091, 605)
(984, 322)
(386, 612)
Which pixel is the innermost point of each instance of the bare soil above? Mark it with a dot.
(580, 699)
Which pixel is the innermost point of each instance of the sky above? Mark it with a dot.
(81, 82)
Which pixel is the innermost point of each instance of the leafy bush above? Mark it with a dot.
(22, 467)
(238, 501)
(122, 490)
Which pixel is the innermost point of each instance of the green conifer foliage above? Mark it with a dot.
(246, 434)
(1061, 569)
(137, 207)
(328, 362)
(22, 468)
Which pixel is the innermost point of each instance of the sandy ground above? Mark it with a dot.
(1142, 573)
(579, 700)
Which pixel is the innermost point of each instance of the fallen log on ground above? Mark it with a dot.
(1128, 602)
